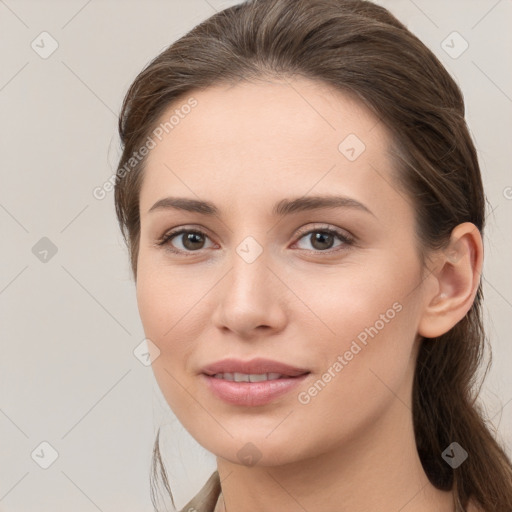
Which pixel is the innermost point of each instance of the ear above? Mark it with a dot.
(455, 281)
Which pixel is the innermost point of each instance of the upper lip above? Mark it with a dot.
(258, 365)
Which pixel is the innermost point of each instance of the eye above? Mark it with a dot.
(322, 239)
(191, 240)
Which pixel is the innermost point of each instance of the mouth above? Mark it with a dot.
(251, 383)
(254, 370)
(253, 377)
(251, 390)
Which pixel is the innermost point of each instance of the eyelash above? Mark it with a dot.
(345, 238)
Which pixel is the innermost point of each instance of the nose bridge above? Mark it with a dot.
(248, 299)
(249, 273)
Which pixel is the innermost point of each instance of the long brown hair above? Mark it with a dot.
(357, 47)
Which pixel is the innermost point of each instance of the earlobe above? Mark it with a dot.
(457, 276)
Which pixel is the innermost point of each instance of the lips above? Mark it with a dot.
(254, 366)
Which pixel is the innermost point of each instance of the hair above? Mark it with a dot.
(359, 48)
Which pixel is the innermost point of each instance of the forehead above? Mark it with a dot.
(277, 114)
(267, 139)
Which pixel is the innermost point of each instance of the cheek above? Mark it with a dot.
(159, 307)
(156, 303)
(359, 301)
(173, 317)
(370, 318)
(163, 295)
(153, 304)
(364, 369)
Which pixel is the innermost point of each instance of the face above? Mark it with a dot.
(335, 291)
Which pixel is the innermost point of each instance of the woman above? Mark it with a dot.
(304, 211)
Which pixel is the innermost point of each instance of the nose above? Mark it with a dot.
(251, 299)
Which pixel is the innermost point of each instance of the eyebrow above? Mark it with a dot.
(280, 209)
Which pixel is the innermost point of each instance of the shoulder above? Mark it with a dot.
(206, 499)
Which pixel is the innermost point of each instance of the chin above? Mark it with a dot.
(256, 450)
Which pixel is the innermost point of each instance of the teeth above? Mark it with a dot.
(245, 377)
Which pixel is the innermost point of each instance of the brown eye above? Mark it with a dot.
(323, 240)
(191, 240)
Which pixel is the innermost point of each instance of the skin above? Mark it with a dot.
(244, 147)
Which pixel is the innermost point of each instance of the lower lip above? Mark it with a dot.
(252, 393)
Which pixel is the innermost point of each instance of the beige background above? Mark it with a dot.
(69, 326)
